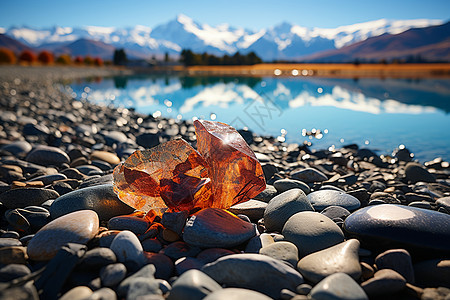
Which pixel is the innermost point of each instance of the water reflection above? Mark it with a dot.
(375, 112)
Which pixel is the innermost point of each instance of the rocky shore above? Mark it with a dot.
(341, 224)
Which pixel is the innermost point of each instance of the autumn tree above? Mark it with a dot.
(7, 56)
(46, 57)
(28, 56)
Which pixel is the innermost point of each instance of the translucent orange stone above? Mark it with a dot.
(173, 175)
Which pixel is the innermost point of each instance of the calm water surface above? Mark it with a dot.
(374, 113)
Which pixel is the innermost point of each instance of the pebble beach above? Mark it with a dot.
(343, 223)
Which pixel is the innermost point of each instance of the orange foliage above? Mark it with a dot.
(98, 61)
(88, 60)
(28, 56)
(78, 60)
(7, 56)
(64, 59)
(46, 57)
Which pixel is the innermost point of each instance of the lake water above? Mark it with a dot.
(379, 114)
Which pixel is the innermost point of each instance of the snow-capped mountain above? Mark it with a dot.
(284, 41)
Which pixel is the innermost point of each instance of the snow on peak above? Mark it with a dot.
(2, 30)
(183, 19)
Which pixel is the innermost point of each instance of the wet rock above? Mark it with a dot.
(311, 232)
(205, 229)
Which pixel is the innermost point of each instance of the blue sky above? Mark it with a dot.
(251, 14)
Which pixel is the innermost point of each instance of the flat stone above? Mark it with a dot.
(47, 156)
(27, 291)
(267, 194)
(410, 228)
(334, 212)
(193, 284)
(77, 293)
(283, 185)
(143, 287)
(105, 156)
(384, 282)
(433, 273)
(128, 249)
(151, 245)
(338, 286)
(341, 258)
(236, 294)
(284, 251)
(114, 137)
(99, 198)
(415, 172)
(325, 198)
(164, 265)
(254, 209)
(443, 202)
(283, 206)
(17, 148)
(254, 272)
(9, 242)
(205, 229)
(105, 179)
(148, 139)
(180, 249)
(113, 274)
(398, 260)
(211, 254)
(175, 221)
(48, 179)
(146, 272)
(311, 232)
(97, 258)
(22, 197)
(77, 227)
(258, 242)
(13, 271)
(13, 255)
(309, 175)
(134, 224)
(185, 264)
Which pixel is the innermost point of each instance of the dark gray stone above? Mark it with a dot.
(282, 185)
(324, 198)
(22, 197)
(97, 258)
(99, 198)
(389, 225)
(47, 155)
(415, 172)
(309, 175)
(113, 274)
(283, 206)
(193, 285)
(254, 272)
(13, 271)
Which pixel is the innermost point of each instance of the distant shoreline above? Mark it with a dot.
(437, 70)
(294, 70)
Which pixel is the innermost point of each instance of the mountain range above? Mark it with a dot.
(285, 41)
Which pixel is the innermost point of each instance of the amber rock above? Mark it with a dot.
(174, 176)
